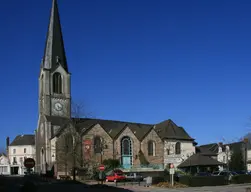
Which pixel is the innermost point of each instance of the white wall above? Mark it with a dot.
(187, 149)
(19, 153)
(4, 165)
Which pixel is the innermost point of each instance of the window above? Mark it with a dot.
(126, 146)
(14, 151)
(151, 148)
(177, 148)
(14, 160)
(24, 150)
(57, 83)
(168, 151)
(21, 160)
(97, 144)
(3, 169)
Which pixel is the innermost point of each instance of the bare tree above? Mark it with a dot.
(68, 149)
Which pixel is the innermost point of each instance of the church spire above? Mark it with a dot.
(54, 53)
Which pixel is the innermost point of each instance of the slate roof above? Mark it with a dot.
(169, 130)
(57, 120)
(54, 42)
(213, 148)
(199, 160)
(23, 140)
(208, 149)
(166, 130)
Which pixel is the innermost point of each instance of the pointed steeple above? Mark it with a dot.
(54, 53)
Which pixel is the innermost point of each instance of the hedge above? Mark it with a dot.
(239, 179)
(199, 181)
(156, 180)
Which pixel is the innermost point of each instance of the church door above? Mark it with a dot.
(126, 152)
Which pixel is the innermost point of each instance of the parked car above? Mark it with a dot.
(134, 177)
(227, 174)
(116, 175)
(203, 174)
(242, 172)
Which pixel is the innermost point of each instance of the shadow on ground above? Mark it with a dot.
(31, 184)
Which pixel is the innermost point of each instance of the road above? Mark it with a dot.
(229, 188)
(12, 184)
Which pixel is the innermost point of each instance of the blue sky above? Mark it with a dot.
(134, 60)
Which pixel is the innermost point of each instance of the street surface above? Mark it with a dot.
(13, 184)
(134, 186)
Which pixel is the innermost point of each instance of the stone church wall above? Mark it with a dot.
(158, 158)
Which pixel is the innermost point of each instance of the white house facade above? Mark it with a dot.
(4, 165)
(22, 147)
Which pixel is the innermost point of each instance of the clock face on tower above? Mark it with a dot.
(58, 106)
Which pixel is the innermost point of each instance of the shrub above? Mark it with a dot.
(142, 158)
(199, 181)
(111, 164)
(238, 179)
(169, 185)
(156, 180)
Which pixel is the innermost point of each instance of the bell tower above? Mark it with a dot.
(54, 78)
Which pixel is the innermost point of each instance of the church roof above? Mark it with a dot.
(166, 130)
(23, 140)
(54, 53)
(169, 130)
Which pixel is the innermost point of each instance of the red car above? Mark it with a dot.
(116, 175)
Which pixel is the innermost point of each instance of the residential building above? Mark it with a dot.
(22, 147)
(4, 164)
(222, 152)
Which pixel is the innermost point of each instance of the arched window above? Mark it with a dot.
(57, 83)
(126, 146)
(97, 144)
(151, 148)
(177, 148)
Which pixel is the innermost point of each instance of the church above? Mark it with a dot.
(135, 145)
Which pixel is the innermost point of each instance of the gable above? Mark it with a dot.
(97, 130)
(127, 132)
(169, 130)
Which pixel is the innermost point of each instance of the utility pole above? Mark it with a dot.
(245, 152)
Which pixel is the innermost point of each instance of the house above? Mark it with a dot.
(137, 146)
(22, 147)
(4, 164)
(221, 152)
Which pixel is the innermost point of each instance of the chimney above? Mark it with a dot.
(7, 146)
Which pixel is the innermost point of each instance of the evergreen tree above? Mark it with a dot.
(236, 162)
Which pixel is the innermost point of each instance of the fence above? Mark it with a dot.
(142, 167)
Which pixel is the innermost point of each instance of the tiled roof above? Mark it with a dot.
(23, 140)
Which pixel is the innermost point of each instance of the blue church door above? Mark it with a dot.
(126, 153)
